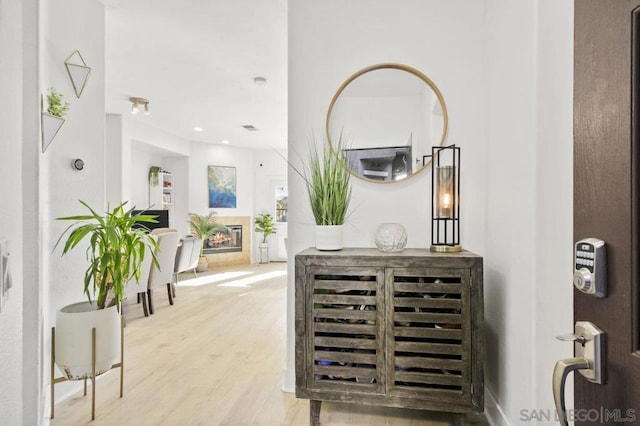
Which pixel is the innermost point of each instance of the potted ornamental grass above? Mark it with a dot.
(265, 226)
(204, 227)
(114, 249)
(328, 184)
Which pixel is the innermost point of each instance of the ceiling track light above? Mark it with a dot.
(136, 103)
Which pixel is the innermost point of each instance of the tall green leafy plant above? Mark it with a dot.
(265, 225)
(328, 183)
(115, 253)
(204, 227)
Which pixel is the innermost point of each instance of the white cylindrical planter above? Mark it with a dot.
(329, 237)
(73, 339)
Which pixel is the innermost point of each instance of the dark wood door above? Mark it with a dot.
(606, 187)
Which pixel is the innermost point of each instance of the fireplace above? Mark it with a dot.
(225, 241)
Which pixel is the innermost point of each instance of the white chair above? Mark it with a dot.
(138, 289)
(166, 255)
(195, 255)
(187, 257)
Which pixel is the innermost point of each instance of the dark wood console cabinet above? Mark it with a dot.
(393, 329)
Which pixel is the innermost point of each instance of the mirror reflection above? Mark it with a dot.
(391, 115)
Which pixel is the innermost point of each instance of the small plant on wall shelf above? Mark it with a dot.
(57, 106)
(153, 175)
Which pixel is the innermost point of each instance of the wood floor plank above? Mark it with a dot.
(215, 357)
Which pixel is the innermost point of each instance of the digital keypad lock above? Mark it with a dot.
(590, 267)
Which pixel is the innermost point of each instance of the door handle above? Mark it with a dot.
(560, 373)
(588, 348)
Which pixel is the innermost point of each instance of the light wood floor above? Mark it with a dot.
(215, 358)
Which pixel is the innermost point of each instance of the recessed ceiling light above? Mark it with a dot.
(198, 129)
(225, 142)
(260, 81)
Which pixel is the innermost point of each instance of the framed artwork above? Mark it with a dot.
(222, 186)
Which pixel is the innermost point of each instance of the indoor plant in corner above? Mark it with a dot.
(115, 252)
(204, 227)
(264, 225)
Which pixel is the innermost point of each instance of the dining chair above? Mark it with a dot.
(165, 254)
(139, 288)
(186, 257)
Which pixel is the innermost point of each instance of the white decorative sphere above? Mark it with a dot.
(391, 237)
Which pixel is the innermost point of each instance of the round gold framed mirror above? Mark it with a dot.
(389, 115)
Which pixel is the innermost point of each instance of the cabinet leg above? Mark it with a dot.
(314, 412)
(459, 420)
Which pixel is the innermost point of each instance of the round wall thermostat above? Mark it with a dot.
(78, 164)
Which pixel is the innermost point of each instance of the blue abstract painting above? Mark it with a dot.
(222, 186)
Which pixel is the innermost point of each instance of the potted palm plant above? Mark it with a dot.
(115, 253)
(266, 226)
(204, 227)
(329, 190)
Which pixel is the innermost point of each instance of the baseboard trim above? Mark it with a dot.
(289, 381)
(492, 410)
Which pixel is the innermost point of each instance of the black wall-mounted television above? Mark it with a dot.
(162, 216)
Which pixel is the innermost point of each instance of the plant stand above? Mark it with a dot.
(55, 380)
(264, 253)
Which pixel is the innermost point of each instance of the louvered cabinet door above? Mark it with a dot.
(429, 334)
(345, 329)
(396, 329)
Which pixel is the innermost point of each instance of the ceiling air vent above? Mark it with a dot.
(250, 127)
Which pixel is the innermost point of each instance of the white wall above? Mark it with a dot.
(203, 155)
(330, 40)
(324, 49)
(529, 200)
(511, 197)
(32, 270)
(143, 157)
(139, 147)
(553, 298)
(136, 131)
(179, 167)
(11, 324)
(113, 159)
(270, 169)
(505, 71)
(82, 136)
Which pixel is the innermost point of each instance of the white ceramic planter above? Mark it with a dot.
(50, 125)
(329, 237)
(73, 339)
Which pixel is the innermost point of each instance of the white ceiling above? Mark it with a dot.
(195, 60)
